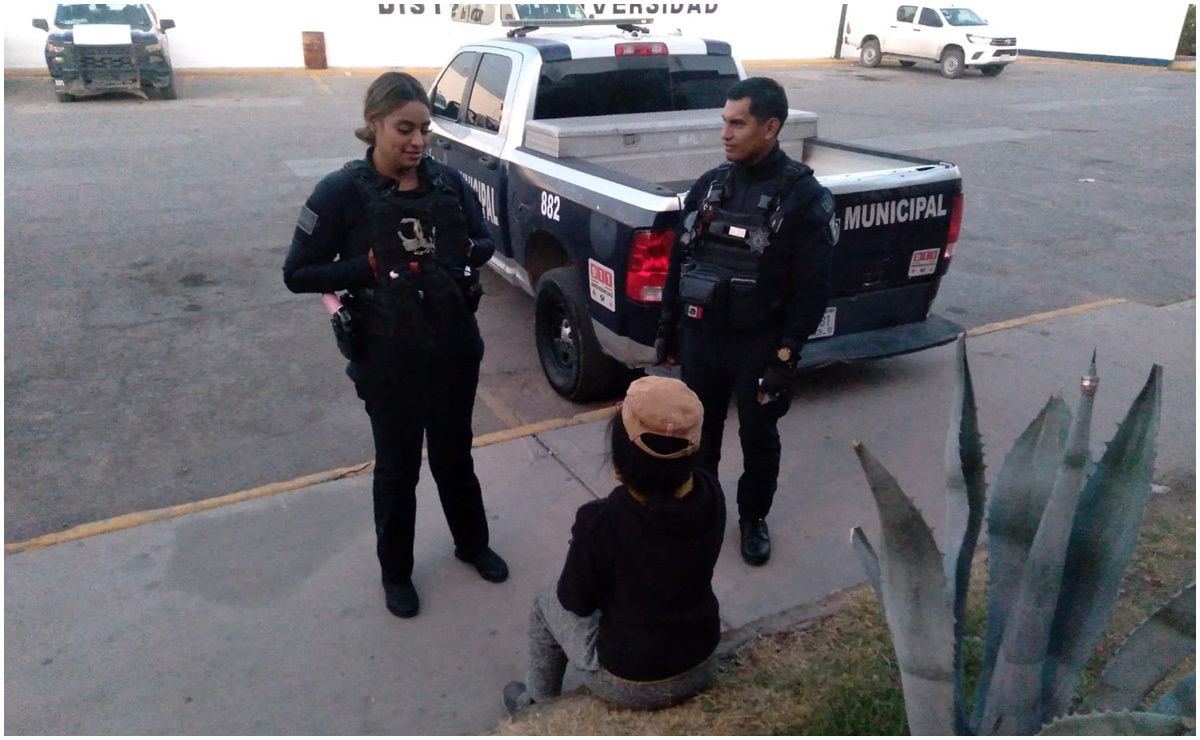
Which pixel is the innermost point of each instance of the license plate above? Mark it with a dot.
(825, 328)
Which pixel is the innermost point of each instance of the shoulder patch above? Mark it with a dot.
(307, 221)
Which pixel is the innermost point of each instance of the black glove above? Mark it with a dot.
(479, 252)
(664, 350)
(471, 287)
(778, 378)
(666, 340)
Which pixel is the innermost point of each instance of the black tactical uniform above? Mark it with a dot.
(749, 278)
(416, 347)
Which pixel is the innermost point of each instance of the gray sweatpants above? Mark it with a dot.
(557, 636)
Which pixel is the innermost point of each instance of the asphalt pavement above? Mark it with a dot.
(266, 616)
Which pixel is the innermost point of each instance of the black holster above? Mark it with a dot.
(347, 330)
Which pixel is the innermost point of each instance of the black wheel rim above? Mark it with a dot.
(562, 341)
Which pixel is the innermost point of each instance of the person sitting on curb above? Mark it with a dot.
(634, 607)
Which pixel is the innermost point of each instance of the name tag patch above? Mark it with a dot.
(307, 221)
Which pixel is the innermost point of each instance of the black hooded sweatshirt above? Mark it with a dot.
(648, 569)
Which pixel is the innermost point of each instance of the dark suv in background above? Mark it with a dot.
(98, 48)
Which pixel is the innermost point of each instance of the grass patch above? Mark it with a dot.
(838, 676)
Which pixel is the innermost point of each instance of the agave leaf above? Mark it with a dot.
(1111, 509)
(1014, 701)
(965, 493)
(1181, 699)
(916, 604)
(1015, 504)
(1148, 654)
(870, 560)
(1120, 723)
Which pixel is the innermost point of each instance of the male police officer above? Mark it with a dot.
(748, 283)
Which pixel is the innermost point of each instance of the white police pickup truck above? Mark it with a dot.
(956, 38)
(581, 145)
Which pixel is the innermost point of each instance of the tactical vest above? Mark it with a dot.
(722, 278)
(419, 239)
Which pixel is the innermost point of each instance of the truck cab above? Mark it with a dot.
(96, 48)
(957, 38)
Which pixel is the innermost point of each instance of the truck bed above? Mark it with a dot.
(655, 148)
(657, 153)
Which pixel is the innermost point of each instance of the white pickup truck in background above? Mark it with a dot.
(954, 37)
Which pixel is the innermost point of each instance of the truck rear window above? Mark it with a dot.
(633, 84)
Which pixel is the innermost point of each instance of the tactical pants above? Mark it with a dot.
(721, 365)
(409, 402)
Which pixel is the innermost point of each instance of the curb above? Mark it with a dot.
(127, 521)
(138, 518)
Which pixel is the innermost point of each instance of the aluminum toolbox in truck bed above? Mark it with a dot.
(658, 147)
(589, 137)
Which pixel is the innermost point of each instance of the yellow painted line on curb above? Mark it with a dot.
(127, 521)
(135, 519)
(548, 425)
(1044, 316)
(501, 410)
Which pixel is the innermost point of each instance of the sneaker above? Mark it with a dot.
(491, 566)
(756, 541)
(516, 697)
(402, 599)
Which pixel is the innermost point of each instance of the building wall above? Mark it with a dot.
(223, 34)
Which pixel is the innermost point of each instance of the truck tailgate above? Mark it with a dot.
(895, 214)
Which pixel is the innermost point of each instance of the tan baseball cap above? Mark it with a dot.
(663, 406)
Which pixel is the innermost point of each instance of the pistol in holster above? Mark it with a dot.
(346, 330)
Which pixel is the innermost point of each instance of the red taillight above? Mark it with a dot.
(956, 209)
(649, 258)
(847, 28)
(640, 49)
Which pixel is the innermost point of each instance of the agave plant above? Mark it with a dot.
(1061, 531)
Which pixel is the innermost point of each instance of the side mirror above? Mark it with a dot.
(166, 24)
(41, 23)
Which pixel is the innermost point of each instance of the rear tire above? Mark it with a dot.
(168, 92)
(992, 70)
(570, 355)
(953, 62)
(906, 63)
(64, 97)
(870, 54)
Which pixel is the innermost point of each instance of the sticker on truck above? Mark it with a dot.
(923, 262)
(825, 328)
(602, 285)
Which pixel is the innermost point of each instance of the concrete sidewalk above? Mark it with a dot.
(266, 617)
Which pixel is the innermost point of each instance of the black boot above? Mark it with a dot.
(402, 599)
(489, 565)
(756, 541)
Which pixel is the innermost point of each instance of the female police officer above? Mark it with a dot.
(403, 235)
